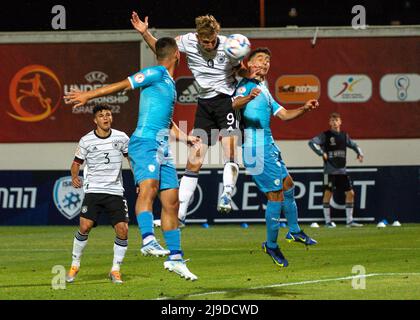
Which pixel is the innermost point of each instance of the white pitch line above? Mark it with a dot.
(297, 284)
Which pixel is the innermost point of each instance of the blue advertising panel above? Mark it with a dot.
(47, 197)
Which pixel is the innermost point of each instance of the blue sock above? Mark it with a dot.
(290, 210)
(145, 222)
(272, 223)
(173, 243)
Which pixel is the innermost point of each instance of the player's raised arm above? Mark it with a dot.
(291, 114)
(143, 28)
(82, 97)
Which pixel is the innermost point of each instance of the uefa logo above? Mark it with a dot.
(67, 199)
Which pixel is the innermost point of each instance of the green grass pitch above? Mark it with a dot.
(227, 259)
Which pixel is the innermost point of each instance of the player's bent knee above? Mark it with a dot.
(350, 195)
(148, 194)
(121, 229)
(85, 229)
(194, 165)
(171, 206)
(85, 226)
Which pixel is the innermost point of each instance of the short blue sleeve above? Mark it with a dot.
(275, 106)
(243, 88)
(145, 77)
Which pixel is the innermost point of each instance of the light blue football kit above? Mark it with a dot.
(148, 149)
(262, 158)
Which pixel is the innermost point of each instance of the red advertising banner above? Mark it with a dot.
(34, 78)
(374, 83)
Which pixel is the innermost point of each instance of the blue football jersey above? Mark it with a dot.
(257, 113)
(157, 100)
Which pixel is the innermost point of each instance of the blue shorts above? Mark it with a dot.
(268, 171)
(151, 159)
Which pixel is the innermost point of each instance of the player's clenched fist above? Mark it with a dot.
(311, 104)
(254, 93)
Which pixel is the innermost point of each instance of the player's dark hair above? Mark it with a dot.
(335, 115)
(100, 107)
(165, 47)
(258, 50)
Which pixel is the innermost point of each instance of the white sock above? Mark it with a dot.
(187, 187)
(79, 244)
(327, 212)
(148, 239)
(120, 248)
(230, 175)
(349, 212)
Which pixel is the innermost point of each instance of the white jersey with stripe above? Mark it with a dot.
(103, 162)
(213, 71)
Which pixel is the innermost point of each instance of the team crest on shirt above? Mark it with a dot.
(220, 58)
(241, 90)
(139, 77)
(332, 141)
(152, 168)
(117, 144)
(277, 182)
(67, 199)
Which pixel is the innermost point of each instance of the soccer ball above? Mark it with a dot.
(237, 46)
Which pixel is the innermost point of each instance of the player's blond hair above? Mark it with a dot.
(207, 25)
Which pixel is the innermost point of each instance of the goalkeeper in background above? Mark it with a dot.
(332, 146)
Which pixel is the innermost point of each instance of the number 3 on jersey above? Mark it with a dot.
(106, 157)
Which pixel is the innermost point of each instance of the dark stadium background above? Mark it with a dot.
(29, 15)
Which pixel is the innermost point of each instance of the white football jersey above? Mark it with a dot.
(103, 162)
(213, 71)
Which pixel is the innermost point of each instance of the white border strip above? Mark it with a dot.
(201, 171)
(313, 170)
(282, 219)
(363, 170)
(296, 284)
(255, 33)
(196, 220)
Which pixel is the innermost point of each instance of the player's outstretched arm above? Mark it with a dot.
(291, 114)
(240, 101)
(143, 28)
(79, 98)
